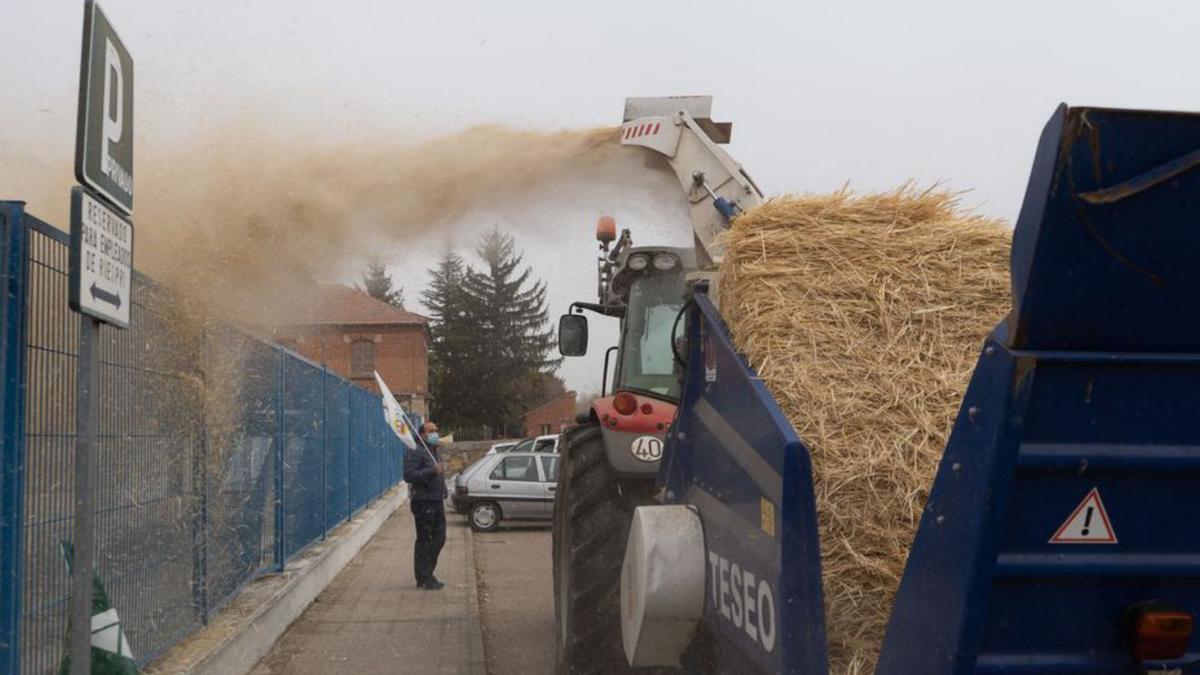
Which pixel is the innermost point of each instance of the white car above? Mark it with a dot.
(508, 486)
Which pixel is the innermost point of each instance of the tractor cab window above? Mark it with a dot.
(647, 363)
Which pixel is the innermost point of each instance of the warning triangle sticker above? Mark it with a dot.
(1087, 524)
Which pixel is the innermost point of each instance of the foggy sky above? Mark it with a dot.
(820, 93)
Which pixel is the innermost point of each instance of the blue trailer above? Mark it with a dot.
(1081, 403)
(1062, 532)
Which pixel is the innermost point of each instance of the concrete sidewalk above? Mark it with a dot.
(372, 618)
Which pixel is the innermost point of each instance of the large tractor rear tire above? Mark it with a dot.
(592, 514)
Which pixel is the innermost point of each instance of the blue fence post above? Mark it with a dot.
(200, 529)
(280, 502)
(13, 277)
(324, 451)
(380, 440)
(200, 517)
(349, 452)
(378, 457)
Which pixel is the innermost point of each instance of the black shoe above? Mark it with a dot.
(434, 585)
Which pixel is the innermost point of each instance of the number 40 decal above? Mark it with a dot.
(647, 448)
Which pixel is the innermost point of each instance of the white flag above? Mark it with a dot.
(394, 415)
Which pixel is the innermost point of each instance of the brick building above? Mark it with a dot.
(354, 334)
(550, 417)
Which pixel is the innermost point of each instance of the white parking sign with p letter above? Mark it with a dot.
(104, 134)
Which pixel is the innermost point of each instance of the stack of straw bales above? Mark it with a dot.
(864, 315)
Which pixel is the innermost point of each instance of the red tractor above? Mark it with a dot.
(611, 459)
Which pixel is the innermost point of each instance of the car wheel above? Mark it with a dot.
(593, 510)
(485, 516)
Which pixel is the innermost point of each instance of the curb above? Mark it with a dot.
(477, 657)
(244, 631)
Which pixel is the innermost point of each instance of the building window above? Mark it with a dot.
(545, 429)
(362, 358)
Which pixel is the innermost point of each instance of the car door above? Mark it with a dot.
(549, 483)
(516, 485)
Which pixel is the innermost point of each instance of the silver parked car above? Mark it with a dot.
(548, 443)
(507, 486)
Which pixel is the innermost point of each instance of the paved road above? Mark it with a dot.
(516, 600)
(373, 621)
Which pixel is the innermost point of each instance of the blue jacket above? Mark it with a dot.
(425, 485)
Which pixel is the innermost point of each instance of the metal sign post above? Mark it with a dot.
(101, 274)
(85, 508)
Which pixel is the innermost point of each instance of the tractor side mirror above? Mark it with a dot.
(572, 335)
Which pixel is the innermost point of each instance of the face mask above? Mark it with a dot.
(432, 439)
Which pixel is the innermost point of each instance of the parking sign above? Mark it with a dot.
(104, 131)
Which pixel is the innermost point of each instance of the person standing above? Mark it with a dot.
(427, 494)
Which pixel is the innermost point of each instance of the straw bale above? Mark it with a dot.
(864, 315)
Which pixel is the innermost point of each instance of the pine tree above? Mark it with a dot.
(378, 284)
(514, 324)
(454, 352)
(492, 352)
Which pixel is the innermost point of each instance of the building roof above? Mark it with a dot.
(339, 304)
(556, 399)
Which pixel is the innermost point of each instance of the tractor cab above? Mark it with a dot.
(645, 288)
(646, 362)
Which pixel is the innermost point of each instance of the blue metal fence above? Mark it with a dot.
(303, 454)
(337, 455)
(220, 457)
(12, 424)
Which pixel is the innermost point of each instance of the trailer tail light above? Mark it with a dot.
(625, 403)
(460, 489)
(1160, 632)
(647, 409)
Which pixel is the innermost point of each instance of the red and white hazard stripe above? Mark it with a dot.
(639, 130)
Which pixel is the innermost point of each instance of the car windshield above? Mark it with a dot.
(647, 363)
(524, 446)
(466, 473)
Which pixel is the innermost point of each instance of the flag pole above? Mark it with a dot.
(386, 394)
